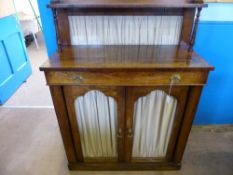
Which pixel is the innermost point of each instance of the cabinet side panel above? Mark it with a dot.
(191, 107)
(63, 121)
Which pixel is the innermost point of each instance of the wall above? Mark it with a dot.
(218, 12)
(48, 26)
(24, 6)
(214, 41)
(6, 8)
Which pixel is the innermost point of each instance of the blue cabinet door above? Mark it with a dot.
(15, 67)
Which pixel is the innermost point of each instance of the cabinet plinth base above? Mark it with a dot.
(124, 166)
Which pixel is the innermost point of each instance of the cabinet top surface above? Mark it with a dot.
(125, 57)
(126, 4)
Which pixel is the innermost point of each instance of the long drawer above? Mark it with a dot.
(127, 78)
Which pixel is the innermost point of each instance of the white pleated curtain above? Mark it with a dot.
(153, 121)
(97, 121)
(125, 30)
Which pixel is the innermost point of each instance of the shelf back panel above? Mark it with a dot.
(125, 30)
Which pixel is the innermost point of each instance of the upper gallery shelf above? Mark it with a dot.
(125, 57)
(88, 4)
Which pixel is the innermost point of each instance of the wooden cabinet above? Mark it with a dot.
(124, 127)
(125, 95)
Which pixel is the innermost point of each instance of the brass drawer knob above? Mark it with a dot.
(78, 78)
(175, 78)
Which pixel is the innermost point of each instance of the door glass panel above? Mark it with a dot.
(97, 121)
(153, 121)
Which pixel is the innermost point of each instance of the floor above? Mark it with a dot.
(31, 145)
(30, 141)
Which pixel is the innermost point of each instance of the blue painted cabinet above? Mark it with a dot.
(14, 63)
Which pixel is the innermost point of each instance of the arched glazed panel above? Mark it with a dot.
(97, 122)
(153, 122)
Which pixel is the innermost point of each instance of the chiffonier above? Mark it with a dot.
(125, 81)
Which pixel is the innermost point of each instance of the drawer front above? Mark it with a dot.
(126, 78)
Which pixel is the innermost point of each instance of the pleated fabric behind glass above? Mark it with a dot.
(153, 121)
(97, 121)
(125, 30)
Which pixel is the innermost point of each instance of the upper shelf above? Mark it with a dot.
(88, 4)
(125, 57)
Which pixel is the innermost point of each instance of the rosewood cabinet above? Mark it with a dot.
(125, 82)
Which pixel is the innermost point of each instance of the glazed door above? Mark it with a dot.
(153, 118)
(97, 121)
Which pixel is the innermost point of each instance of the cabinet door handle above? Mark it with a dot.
(78, 78)
(129, 133)
(120, 133)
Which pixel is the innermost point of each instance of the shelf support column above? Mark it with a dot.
(194, 32)
(55, 16)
